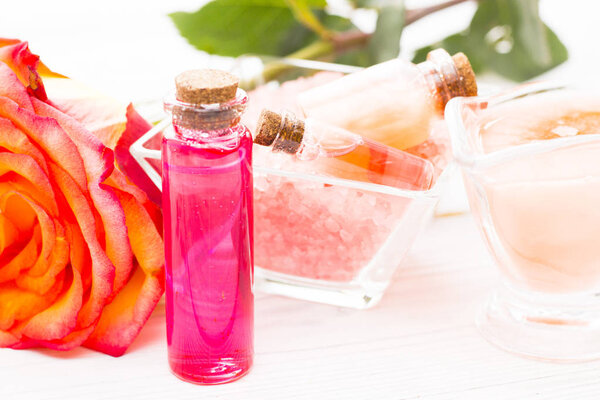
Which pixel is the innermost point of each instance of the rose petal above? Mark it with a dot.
(15, 332)
(103, 271)
(122, 319)
(26, 167)
(15, 208)
(99, 163)
(46, 226)
(136, 127)
(9, 233)
(97, 159)
(15, 141)
(145, 239)
(59, 259)
(54, 141)
(23, 260)
(8, 339)
(24, 64)
(58, 320)
(69, 342)
(12, 87)
(17, 304)
(100, 114)
(119, 181)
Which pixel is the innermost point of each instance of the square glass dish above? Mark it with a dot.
(317, 237)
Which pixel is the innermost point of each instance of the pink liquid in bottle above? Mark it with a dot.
(208, 228)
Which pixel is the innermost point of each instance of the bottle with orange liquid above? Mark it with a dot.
(394, 102)
(337, 152)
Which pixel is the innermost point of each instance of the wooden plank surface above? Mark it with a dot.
(420, 342)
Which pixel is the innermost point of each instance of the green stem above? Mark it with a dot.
(344, 41)
(313, 51)
(418, 13)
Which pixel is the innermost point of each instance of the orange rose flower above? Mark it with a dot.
(81, 253)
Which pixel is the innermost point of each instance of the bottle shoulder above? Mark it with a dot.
(223, 140)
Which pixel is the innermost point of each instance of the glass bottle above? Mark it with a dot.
(342, 154)
(394, 102)
(208, 229)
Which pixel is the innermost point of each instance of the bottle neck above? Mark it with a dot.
(443, 78)
(281, 131)
(206, 122)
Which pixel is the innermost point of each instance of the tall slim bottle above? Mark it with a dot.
(208, 229)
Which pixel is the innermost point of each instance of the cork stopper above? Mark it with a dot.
(268, 127)
(206, 86)
(282, 131)
(206, 100)
(448, 76)
(465, 73)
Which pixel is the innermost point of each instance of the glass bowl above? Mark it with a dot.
(321, 238)
(536, 204)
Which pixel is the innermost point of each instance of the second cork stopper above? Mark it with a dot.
(283, 131)
(206, 86)
(465, 73)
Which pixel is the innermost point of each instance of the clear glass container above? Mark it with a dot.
(321, 238)
(534, 187)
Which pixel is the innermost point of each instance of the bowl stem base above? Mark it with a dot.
(547, 330)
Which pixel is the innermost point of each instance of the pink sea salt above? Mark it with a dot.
(313, 229)
(320, 231)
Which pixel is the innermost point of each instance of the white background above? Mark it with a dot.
(131, 50)
(418, 343)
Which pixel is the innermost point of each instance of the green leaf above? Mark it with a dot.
(385, 42)
(507, 37)
(304, 14)
(296, 37)
(358, 57)
(236, 27)
(367, 3)
(335, 22)
(459, 42)
(299, 36)
(355, 3)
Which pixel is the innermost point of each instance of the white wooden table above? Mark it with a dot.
(420, 342)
